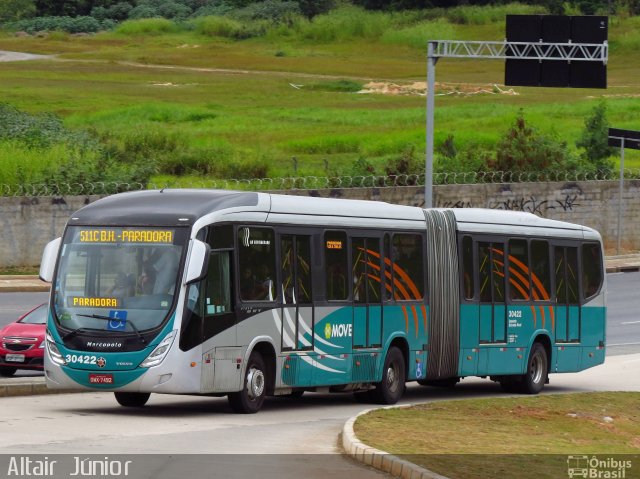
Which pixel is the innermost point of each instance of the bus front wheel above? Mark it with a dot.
(391, 388)
(250, 398)
(132, 399)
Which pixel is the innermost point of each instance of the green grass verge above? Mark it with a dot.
(508, 437)
(255, 119)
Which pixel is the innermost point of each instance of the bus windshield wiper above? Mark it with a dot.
(107, 318)
(72, 333)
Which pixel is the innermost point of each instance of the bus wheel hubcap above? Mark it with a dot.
(255, 383)
(536, 369)
(391, 378)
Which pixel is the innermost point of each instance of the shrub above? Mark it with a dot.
(416, 36)
(522, 148)
(219, 27)
(272, 10)
(594, 140)
(143, 11)
(174, 11)
(147, 26)
(346, 23)
(65, 24)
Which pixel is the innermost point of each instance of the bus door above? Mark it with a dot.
(492, 318)
(567, 309)
(297, 306)
(366, 268)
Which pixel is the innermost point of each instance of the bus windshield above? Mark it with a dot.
(119, 279)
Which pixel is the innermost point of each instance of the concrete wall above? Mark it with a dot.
(27, 224)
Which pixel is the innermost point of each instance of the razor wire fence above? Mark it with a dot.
(315, 182)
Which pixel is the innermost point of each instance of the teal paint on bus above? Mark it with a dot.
(123, 365)
(352, 355)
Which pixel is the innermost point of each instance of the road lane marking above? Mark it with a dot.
(631, 322)
(623, 344)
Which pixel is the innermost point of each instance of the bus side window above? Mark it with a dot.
(257, 260)
(519, 281)
(591, 269)
(218, 288)
(336, 265)
(540, 270)
(468, 283)
(408, 266)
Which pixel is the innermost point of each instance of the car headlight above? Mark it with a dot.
(159, 353)
(54, 352)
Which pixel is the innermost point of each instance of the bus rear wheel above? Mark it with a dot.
(535, 377)
(391, 388)
(132, 399)
(250, 398)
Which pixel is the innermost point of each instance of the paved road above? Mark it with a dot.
(92, 423)
(6, 56)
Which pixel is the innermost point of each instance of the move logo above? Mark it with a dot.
(338, 331)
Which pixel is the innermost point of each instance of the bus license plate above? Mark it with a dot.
(101, 378)
(15, 358)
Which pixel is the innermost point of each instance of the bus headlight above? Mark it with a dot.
(54, 352)
(161, 350)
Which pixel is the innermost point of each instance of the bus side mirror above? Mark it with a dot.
(48, 263)
(198, 262)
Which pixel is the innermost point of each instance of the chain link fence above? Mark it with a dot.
(315, 182)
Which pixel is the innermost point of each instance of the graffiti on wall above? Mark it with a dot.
(529, 204)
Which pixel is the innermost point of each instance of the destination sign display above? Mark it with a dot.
(104, 235)
(80, 301)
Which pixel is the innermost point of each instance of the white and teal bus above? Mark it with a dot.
(251, 294)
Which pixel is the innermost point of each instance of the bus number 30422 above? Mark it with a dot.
(79, 358)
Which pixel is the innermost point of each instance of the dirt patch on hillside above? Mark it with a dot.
(442, 89)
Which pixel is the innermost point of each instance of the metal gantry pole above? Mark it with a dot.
(620, 188)
(431, 86)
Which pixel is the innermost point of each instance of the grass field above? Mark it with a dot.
(242, 108)
(508, 437)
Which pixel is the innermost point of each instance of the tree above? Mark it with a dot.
(14, 10)
(523, 149)
(595, 140)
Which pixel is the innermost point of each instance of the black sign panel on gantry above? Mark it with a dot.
(555, 29)
(631, 138)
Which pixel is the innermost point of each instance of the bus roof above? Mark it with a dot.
(167, 207)
(183, 207)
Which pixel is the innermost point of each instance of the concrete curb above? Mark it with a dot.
(378, 459)
(15, 387)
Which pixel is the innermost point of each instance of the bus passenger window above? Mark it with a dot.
(572, 275)
(336, 264)
(518, 270)
(561, 286)
(484, 270)
(408, 266)
(497, 272)
(218, 291)
(540, 271)
(591, 269)
(468, 284)
(257, 261)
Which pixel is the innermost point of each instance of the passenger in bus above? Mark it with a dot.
(247, 284)
(122, 286)
(166, 268)
(147, 279)
(264, 283)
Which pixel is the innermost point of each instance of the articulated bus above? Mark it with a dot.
(252, 294)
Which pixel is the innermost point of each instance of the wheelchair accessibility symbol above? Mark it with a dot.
(118, 321)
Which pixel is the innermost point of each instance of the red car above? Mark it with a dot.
(22, 342)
